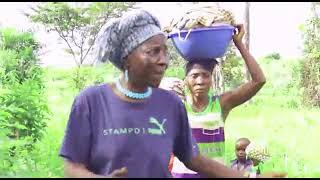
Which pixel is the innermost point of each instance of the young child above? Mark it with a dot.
(258, 154)
(242, 163)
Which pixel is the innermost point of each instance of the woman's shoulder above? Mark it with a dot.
(167, 95)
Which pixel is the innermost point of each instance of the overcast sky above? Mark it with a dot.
(274, 25)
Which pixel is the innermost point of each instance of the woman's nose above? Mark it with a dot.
(164, 58)
(199, 80)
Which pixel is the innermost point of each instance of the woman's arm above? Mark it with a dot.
(78, 170)
(212, 169)
(234, 98)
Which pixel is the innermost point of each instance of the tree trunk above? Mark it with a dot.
(247, 40)
(247, 35)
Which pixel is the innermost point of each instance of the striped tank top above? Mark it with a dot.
(208, 130)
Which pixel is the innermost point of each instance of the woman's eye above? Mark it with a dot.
(153, 51)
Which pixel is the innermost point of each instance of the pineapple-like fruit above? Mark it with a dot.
(257, 151)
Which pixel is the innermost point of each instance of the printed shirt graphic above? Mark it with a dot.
(208, 131)
(106, 133)
(159, 130)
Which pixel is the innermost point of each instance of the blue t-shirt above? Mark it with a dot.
(106, 133)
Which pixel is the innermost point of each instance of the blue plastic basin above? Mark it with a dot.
(203, 43)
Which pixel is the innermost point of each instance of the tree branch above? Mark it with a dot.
(95, 37)
(73, 39)
(61, 34)
(83, 37)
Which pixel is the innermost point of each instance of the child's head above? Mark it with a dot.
(240, 149)
(257, 153)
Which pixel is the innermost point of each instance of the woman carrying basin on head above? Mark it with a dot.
(207, 113)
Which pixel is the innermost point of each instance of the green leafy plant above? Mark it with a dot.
(273, 56)
(232, 68)
(311, 66)
(22, 97)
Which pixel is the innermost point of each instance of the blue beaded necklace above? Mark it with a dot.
(131, 94)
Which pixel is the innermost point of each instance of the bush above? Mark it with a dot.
(26, 110)
(311, 66)
(275, 56)
(92, 75)
(8, 61)
(22, 99)
(19, 57)
(18, 41)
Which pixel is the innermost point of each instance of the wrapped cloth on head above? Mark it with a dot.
(118, 38)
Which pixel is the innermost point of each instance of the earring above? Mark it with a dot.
(126, 76)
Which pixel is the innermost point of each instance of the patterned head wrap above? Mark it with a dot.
(118, 38)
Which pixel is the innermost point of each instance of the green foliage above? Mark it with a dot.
(178, 72)
(177, 64)
(25, 110)
(311, 66)
(23, 104)
(176, 60)
(18, 56)
(232, 68)
(12, 40)
(77, 26)
(293, 88)
(10, 163)
(311, 81)
(273, 56)
(22, 101)
(88, 75)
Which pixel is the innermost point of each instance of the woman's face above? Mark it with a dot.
(199, 81)
(147, 63)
